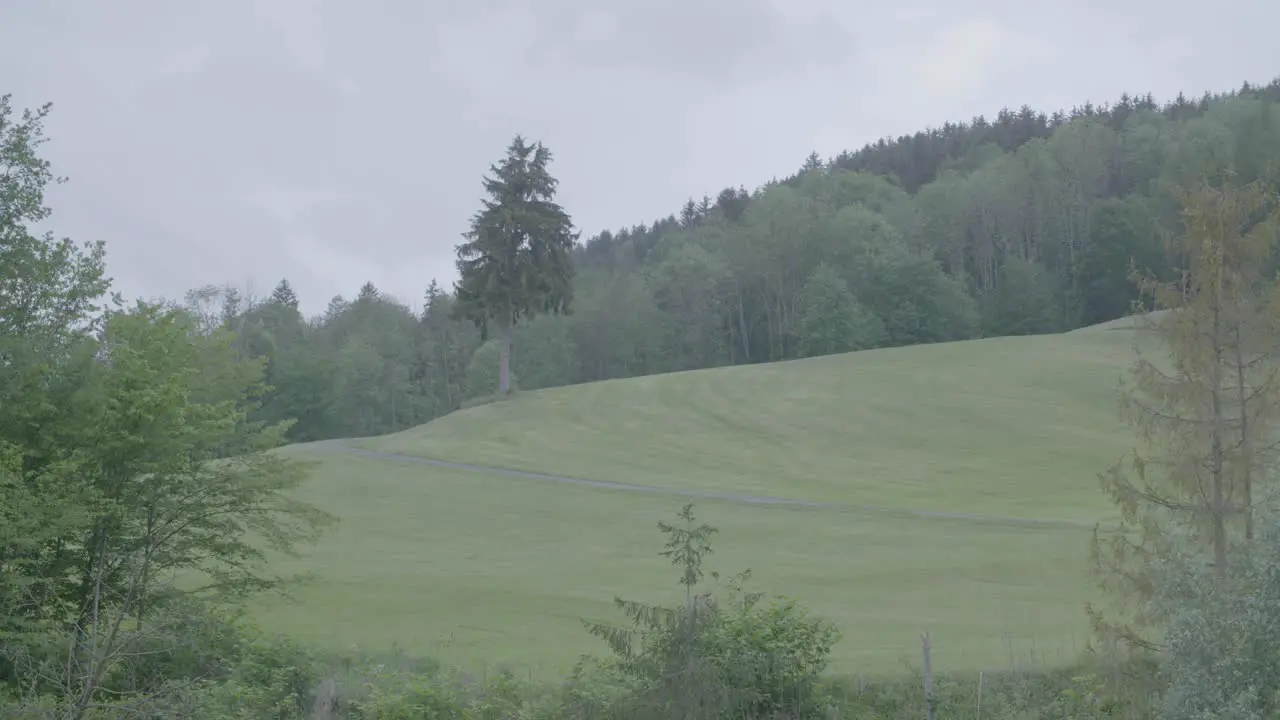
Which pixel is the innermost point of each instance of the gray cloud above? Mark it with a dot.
(336, 142)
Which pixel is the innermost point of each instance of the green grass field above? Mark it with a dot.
(482, 569)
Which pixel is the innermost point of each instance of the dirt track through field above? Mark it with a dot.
(707, 494)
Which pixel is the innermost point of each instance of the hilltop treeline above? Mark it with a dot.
(1027, 223)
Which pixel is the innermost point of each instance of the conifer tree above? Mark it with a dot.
(284, 295)
(689, 214)
(336, 307)
(368, 293)
(1208, 413)
(716, 655)
(704, 206)
(516, 263)
(662, 648)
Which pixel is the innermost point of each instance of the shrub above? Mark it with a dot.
(716, 657)
(1223, 660)
(776, 652)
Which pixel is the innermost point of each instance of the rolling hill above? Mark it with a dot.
(945, 487)
(1013, 426)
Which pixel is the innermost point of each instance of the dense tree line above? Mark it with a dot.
(1028, 223)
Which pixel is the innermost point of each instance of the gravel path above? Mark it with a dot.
(709, 494)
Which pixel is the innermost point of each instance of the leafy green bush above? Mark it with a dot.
(776, 651)
(1223, 659)
(411, 698)
(1084, 692)
(397, 695)
(730, 656)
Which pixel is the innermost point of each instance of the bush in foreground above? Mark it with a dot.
(725, 654)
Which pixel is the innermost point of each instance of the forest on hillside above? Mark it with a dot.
(1025, 223)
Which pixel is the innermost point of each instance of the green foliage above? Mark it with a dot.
(260, 677)
(777, 651)
(284, 295)
(1207, 412)
(409, 696)
(411, 700)
(689, 291)
(686, 546)
(195, 661)
(544, 356)
(133, 478)
(1024, 303)
(918, 302)
(482, 372)
(716, 656)
(1018, 224)
(140, 499)
(1081, 692)
(50, 292)
(1126, 237)
(170, 412)
(832, 320)
(515, 263)
(48, 286)
(1220, 631)
(165, 479)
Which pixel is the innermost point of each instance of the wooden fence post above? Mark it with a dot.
(981, 676)
(928, 677)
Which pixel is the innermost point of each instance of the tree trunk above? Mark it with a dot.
(1217, 458)
(446, 348)
(504, 360)
(1246, 439)
(742, 328)
(1218, 516)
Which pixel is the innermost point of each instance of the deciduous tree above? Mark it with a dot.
(831, 319)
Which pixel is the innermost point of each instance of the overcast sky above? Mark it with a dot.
(334, 142)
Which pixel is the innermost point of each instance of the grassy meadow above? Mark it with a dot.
(481, 569)
(1005, 426)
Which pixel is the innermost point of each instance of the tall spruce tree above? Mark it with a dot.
(1208, 413)
(284, 295)
(515, 263)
